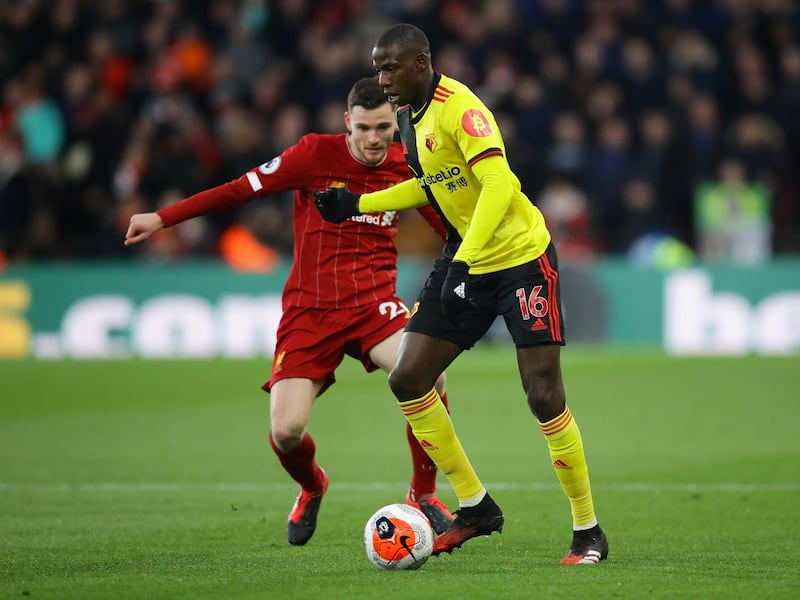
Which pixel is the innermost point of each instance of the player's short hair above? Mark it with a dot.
(366, 93)
(406, 37)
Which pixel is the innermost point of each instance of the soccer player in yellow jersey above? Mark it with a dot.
(498, 260)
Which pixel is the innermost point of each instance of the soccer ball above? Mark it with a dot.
(398, 536)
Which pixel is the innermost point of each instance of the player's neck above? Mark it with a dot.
(428, 87)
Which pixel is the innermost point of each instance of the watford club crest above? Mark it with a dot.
(430, 142)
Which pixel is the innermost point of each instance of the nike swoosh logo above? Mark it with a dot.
(404, 543)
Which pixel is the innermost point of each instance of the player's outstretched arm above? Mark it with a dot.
(339, 204)
(141, 227)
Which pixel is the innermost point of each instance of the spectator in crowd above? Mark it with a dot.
(733, 217)
(568, 154)
(566, 211)
(610, 165)
(639, 214)
(704, 136)
(660, 164)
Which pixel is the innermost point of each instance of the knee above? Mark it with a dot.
(546, 398)
(408, 385)
(286, 436)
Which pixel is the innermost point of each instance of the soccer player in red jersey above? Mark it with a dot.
(340, 297)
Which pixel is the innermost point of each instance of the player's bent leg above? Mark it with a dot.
(421, 494)
(420, 361)
(290, 407)
(434, 430)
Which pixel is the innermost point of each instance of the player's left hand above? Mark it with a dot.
(455, 290)
(337, 204)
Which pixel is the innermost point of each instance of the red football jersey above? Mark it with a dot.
(335, 265)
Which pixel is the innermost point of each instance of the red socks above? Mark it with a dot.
(300, 464)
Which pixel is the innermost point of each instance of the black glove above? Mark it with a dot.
(455, 292)
(336, 204)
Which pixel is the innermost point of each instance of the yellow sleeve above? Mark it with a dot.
(497, 189)
(406, 194)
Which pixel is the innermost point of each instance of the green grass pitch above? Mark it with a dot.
(155, 480)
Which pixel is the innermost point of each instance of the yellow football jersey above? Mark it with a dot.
(443, 141)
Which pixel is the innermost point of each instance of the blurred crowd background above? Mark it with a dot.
(657, 130)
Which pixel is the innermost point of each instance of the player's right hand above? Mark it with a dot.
(141, 227)
(336, 204)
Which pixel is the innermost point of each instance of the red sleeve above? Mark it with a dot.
(215, 199)
(434, 220)
(288, 171)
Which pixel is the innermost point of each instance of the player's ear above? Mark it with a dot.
(347, 122)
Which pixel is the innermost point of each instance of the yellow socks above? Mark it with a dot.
(433, 428)
(566, 451)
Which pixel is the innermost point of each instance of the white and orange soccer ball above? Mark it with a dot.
(398, 536)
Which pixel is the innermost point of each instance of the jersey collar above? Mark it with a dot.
(415, 117)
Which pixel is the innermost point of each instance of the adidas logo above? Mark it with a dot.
(592, 557)
(560, 464)
(460, 290)
(427, 445)
(538, 325)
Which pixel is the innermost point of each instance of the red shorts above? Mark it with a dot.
(312, 342)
